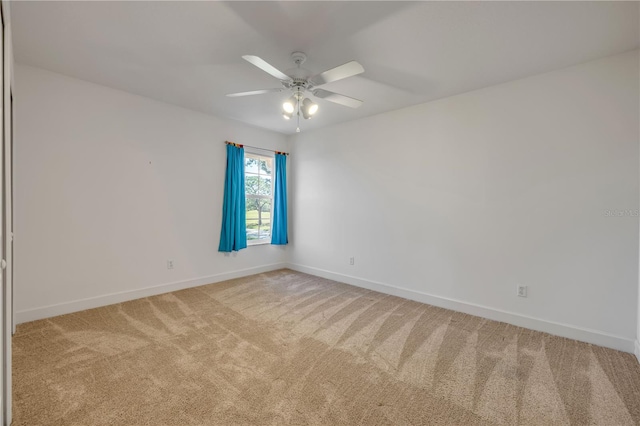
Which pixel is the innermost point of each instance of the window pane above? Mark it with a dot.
(252, 185)
(252, 226)
(258, 213)
(264, 218)
(250, 164)
(266, 165)
(252, 209)
(265, 186)
(265, 232)
(263, 208)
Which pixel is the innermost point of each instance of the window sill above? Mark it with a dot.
(261, 243)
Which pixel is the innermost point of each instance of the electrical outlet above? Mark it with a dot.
(169, 264)
(352, 261)
(522, 291)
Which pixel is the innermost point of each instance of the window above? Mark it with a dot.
(258, 180)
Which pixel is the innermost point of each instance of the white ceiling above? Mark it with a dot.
(189, 53)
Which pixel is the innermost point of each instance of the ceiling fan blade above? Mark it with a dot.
(266, 67)
(254, 92)
(337, 98)
(338, 73)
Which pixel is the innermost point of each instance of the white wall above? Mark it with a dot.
(453, 202)
(109, 186)
(466, 197)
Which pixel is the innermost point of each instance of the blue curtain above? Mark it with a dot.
(279, 227)
(233, 235)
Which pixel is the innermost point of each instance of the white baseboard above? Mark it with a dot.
(564, 330)
(558, 329)
(123, 296)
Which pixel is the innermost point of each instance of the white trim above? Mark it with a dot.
(258, 243)
(564, 330)
(638, 350)
(123, 296)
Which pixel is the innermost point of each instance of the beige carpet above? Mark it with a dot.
(289, 348)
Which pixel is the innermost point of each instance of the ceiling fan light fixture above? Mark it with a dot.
(299, 82)
(289, 105)
(308, 108)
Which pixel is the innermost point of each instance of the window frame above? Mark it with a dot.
(271, 156)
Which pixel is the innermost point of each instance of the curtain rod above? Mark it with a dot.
(255, 147)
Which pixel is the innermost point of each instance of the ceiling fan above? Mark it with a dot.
(300, 81)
